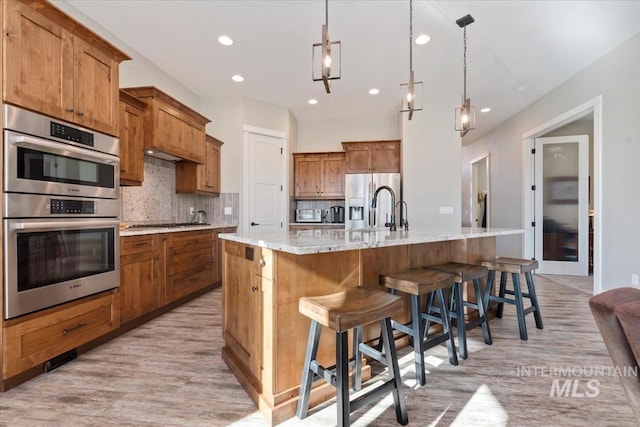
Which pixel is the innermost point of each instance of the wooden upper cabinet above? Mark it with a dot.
(56, 66)
(204, 178)
(319, 175)
(131, 139)
(171, 127)
(372, 156)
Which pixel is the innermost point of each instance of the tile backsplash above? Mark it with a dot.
(156, 200)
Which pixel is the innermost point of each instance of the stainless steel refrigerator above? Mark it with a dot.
(359, 190)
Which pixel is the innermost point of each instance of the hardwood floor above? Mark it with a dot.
(169, 372)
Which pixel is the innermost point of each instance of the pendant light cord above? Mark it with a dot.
(326, 13)
(465, 65)
(410, 35)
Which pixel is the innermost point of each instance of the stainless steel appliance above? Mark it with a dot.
(199, 217)
(48, 156)
(308, 215)
(57, 245)
(359, 190)
(337, 214)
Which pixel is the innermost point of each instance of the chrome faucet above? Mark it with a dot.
(404, 220)
(374, 204)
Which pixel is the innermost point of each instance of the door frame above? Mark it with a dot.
(487, 158)
(593, 106)
(244, 206)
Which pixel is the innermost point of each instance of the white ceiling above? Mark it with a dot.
(517, 50)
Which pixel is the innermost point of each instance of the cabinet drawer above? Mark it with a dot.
(138, 244)
(187, 282)
(187, 257)
(190, 237)
(38, 339)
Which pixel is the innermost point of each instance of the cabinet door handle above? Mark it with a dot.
(253, 224)
(140, 244)
(68, 331)
(123, 170)
(262, 263)
(254, 288)
(80, 113)
(69, 109)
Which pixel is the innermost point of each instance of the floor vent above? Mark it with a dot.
(60, 360)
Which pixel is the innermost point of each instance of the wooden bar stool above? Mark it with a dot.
(350, 309)
(419, 282)
(516, 267)
(465, 273)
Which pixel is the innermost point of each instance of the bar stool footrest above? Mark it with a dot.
(371, 395)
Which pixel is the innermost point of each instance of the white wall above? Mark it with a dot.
(431, 162)
(615, 77)
(328, 135)
(138, 71)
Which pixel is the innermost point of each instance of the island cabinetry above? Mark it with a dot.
(242, 327)
(131, 139)
(319, 175)
(58, 67)
(36, 338)
(139, 275)
(372, 156)
(204, 178)
(264, 334)
(189, 263)
(171, 127)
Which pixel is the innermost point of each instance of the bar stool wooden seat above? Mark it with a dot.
(516, 267)
(466, 273)
(419, 282)
(342, 311)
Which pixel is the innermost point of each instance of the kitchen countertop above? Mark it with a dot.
(155, 230)
(304, 242)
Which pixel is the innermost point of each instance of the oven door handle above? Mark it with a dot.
(82, 153)
(61, 225)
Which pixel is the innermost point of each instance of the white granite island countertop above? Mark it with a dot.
(304, 242)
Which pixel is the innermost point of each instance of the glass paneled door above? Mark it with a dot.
(562, 205)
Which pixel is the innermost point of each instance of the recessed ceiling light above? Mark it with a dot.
(422, 39)
(225, 40)
(237, 78)
(485, 110)
(374, 91)
(312, 101)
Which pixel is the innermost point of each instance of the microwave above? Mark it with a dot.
(308, 215)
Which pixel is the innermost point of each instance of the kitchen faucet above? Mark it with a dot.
(404, 220)
(374, 203)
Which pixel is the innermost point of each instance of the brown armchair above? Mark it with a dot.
(617, 314)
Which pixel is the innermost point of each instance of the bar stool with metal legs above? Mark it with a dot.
(419, 282)
(516, 267)
(465, 273)
(342, 311)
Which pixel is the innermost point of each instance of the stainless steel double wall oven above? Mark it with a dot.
(60, 212)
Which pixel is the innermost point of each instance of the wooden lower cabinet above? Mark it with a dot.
(139, 275)
(41, 336)
(242, 326)
(189, 263)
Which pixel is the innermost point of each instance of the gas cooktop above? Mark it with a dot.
(166, 225)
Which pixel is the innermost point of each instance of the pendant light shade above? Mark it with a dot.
(411, 93)
(466, 113)
(326, 60)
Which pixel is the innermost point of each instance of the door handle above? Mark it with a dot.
(254, 223)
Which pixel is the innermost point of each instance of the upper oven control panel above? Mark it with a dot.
(72, 207)
(58, 130)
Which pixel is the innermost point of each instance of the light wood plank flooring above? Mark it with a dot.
(169, 373)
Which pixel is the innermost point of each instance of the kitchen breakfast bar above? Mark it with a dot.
(265, 275)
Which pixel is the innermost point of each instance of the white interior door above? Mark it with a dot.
(265, 183)
(562, 205)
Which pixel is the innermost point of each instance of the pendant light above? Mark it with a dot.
(325, 58)
(411, 93)
(466, 113)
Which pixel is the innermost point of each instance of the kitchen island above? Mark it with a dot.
(265, 274)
